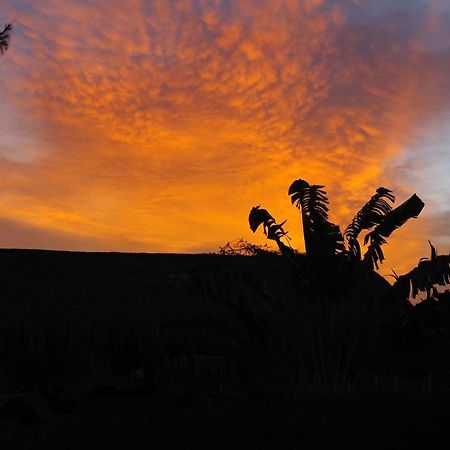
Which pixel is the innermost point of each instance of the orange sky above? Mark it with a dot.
(157, 126)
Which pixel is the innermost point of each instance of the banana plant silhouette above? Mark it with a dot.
(5, 37)
(337, 328)
(325, 239)
(429, 273)
(330, 252)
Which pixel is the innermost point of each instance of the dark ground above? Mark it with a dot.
(390, 422)
(43, 289)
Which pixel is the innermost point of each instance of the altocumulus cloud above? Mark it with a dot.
(156, 126)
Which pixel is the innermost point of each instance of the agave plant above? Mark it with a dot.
(5, 36)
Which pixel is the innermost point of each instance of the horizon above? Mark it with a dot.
(158, 132)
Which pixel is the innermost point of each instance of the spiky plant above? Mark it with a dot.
(5, 37)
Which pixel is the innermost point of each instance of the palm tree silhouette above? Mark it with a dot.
(5, 36)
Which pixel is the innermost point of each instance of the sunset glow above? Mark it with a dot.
(156, 126)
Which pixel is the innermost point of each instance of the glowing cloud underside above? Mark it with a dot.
(156, 126)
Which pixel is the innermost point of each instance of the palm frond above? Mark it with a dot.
(5, 36)
(321, 236)
(394, 219)
(371, 214)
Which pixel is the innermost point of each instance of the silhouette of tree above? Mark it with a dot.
(5, 36)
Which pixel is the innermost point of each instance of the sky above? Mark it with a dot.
(155, 125)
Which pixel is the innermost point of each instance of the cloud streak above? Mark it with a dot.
(163, 124)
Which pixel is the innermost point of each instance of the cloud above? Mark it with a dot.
(165, 124)
(441, 228)
(17, 235)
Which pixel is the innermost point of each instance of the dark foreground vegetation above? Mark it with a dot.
(213, 351)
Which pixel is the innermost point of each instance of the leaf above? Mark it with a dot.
(272, 230)
(427, 274)
(394, 219)
(297, 186)
(409, 209)
(371, 214)
(257, 217)
(433, 251)
(321, 236)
